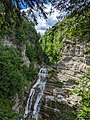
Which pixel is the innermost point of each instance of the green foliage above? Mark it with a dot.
(30, 72)
(31, 53)
(14, 76)
(10, 72)
(11, 80)
(83, 90)
(17, 27)
(75, 27)
(10, 115)
(52, 45)
(1, 19)
(10, 18)
(26, 32)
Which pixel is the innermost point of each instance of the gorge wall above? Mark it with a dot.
(59, 103)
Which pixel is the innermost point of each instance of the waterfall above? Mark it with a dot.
(35, 96)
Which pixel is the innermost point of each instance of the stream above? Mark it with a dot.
(35, 96)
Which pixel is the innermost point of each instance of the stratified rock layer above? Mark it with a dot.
(59, 103)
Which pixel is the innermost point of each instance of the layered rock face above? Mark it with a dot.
(59, 103)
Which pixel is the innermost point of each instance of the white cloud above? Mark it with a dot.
(43, 24)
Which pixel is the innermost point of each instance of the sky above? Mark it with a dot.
(44, 24)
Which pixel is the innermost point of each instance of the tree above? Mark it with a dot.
(67, 6)
(12, 78)
(17, 5)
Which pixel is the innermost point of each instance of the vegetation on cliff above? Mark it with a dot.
(82, 89)
(75, 27)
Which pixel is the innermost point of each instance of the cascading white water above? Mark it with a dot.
(33, 104)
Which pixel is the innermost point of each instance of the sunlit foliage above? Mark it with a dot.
(75, 27)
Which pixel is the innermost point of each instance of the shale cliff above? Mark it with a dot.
(59, 103)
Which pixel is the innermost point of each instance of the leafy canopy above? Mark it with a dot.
(67, 6)
(75, 27)
(11, 72)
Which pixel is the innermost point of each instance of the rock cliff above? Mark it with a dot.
(59, 103)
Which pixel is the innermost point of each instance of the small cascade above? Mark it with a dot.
(35, 96)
